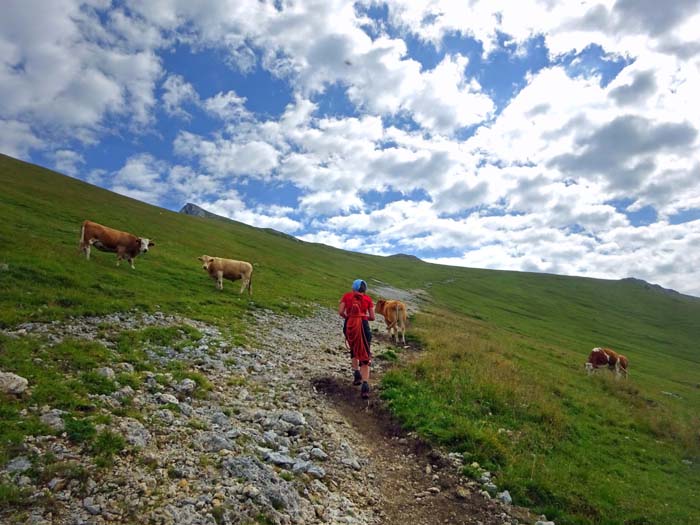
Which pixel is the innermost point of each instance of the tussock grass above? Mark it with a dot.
(11, 496)
(581, 449)
(106, 445)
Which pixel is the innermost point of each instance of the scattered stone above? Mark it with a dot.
(213, 442)
(53, 418)
(316, 471)
(293, 417)
(12, 383)
(57, 484)
(275, 492)
(251, 491)
(91, 507)
(106, 372)
(279, 459)
(349, 457)
(124, 393)
(186, 386)
(462, 493)
(319, 454)
(134, 432)
(505, 497)
(18, 464)
(125, 367)
(221, 419)
(352, 463)
(165, 399)
(165, 415)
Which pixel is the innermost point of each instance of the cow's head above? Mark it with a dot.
(588, 366)
(205, 261)
(379, 307)
(145, 245)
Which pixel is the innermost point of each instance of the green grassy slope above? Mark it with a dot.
(506, 348)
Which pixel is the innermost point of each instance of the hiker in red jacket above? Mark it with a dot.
(357, 309)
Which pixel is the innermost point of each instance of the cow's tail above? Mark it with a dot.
(250, 283)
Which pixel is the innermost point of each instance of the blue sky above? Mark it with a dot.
(503, 135)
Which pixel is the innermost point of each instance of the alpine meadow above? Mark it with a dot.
(500, 378)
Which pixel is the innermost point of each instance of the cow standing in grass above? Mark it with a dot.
(395, 317)
(220, 269)
(605, 357)
(106, 239)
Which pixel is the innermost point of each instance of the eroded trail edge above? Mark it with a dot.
(414, 482)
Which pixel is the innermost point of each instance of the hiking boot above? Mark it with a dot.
(365, 390)
(357, 378)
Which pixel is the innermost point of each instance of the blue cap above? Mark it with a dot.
(357, 283)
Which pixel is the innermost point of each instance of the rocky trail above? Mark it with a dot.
(282, 437)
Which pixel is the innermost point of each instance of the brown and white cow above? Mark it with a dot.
(605, 357)
(220, 269)
(394, 313)
(106, 239)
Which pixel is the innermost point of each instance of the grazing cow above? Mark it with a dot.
(600, 357)
(105, 239)
(220, 269)
(394, 313)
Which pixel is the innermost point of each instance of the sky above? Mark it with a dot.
(541, 136)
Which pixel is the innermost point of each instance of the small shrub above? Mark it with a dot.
(236, 381)
(66, 469)
(107, 444)
(197, 424)
(131, 379)
(79, 430)
(97, 384)
(218, 514)
(12, 496)
(263, 519)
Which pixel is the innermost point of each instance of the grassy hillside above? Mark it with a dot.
(502, 380)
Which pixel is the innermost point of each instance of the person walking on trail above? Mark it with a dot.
(357, 309)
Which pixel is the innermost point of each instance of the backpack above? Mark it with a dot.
(356, 307)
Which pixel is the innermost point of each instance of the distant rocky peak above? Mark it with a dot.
(650, 286)
(193, 209)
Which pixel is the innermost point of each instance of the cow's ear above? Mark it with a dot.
(151, 243)
(200, 259)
